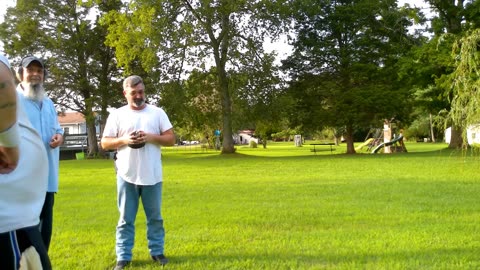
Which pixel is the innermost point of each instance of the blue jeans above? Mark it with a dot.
(128, 196)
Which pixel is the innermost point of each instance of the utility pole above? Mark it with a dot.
(432, 136)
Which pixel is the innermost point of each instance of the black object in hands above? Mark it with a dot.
(136, 145)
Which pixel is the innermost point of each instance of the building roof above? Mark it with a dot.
(71, 118)
(246, 131)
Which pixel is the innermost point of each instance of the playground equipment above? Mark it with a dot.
(366, 143)
(382, 139)
(398, 139)
(373, 138)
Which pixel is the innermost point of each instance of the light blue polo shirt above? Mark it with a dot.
(43, 117)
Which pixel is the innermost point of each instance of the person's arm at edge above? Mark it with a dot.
(8, 110)
(8, 99)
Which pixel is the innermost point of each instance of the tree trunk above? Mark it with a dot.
(227, 145)
(432, 135)
(220, 49)
(349, 140)
(92, 137)
(456, 139)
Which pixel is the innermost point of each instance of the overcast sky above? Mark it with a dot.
(4, 5)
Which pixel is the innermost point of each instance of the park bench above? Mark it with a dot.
(315, 150)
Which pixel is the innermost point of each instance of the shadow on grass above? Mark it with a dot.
(441, 257)
(325, 154)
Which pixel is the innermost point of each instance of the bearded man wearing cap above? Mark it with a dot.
(23, 182)
(42, 114)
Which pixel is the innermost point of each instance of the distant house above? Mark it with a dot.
(72, 123)
(473, 134)
(244, 137)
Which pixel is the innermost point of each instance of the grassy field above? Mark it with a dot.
(284, 208)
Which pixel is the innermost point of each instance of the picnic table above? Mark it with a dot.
(314, 150)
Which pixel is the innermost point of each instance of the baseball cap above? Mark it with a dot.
(29, 59)
(4, 60)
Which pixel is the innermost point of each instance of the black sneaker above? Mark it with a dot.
(121, 265)
(161, 259)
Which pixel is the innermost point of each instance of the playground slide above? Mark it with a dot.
(380, 146)
(358, 148)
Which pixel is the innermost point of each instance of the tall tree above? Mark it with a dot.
(466, 82)
(83, 75)
(343, 67)
(169, 35)
(425, 69)
(195, 103)
(259, 103)
(451, 22)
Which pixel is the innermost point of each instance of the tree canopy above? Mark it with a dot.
(83, 75)
(171, 37)
(344, 63)
(466, 81)
(354, 63)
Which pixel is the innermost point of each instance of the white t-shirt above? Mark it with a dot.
(22, 192)
(142, 166)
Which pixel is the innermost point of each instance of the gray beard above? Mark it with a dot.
(139, 102)
(34, 91)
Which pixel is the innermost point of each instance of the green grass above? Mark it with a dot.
(284, 208)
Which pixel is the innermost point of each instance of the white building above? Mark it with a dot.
(473, 134)
(244, 137)
(73, 123)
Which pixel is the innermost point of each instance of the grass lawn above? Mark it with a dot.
(284, 207)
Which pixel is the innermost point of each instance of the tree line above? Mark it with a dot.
(354, 63)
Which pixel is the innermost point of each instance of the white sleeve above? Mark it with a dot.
(164, 121)
(111, 127)
(10, 137)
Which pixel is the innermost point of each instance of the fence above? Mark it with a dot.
(74, 141)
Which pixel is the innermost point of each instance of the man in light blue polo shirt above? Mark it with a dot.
(43, 116)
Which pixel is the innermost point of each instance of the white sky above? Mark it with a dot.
(3, 7)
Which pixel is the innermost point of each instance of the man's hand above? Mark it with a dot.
(137, 137)
(56, 140)
(8, 159)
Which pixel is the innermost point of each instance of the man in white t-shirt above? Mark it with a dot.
(23, 180)
(137, 131)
